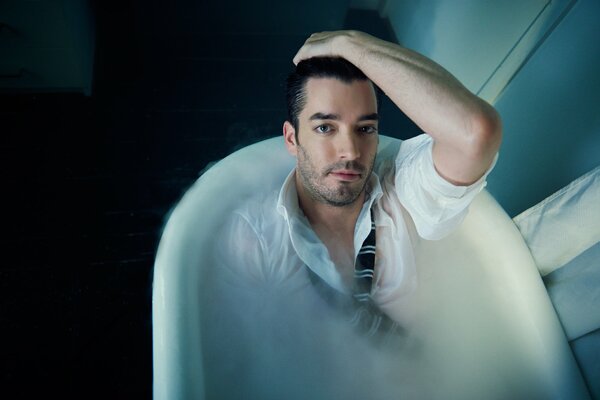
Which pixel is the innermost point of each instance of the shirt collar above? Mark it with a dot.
(287, 202)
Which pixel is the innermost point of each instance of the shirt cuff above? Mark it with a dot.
(436, 206)
(441, 185)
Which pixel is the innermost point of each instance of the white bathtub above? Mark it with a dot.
(483, 325)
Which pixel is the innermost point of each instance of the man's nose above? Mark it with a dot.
(348, 146)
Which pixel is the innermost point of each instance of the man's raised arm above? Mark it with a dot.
(466, 129)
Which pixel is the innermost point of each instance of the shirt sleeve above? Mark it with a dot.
(436, 206)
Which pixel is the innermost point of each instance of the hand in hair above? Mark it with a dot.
(325, 44)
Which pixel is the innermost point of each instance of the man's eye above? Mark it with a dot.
(368, 129)
(323, 128)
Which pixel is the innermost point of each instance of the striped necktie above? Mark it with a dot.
(363, 312)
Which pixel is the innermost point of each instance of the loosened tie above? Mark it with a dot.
(363, 312)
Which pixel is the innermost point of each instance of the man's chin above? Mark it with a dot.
(343, 201)
(348, 193)
(340, 204)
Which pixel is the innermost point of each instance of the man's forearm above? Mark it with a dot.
(428, 94)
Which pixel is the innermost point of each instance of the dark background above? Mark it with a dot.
(88, 180)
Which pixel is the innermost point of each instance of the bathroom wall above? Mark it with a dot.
(469, 38)
(551, 113)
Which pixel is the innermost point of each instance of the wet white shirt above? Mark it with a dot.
(269, 242)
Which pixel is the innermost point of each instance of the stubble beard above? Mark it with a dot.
(344, 194)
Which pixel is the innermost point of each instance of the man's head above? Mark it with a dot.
(318, 67)
(331, 129)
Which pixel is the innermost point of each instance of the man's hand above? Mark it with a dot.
(326, 44)
(466, 130)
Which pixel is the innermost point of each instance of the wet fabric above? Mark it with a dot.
(565, 224)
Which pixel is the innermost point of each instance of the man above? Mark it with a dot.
(268, 319)
(317, 223)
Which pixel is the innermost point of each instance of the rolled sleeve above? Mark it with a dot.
(436, 206)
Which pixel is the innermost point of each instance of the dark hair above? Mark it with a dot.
(318, 67)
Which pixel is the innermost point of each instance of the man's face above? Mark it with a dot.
(337, 140)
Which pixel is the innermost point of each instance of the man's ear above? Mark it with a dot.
(289, 136)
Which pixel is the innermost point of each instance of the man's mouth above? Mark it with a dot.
(346, 175)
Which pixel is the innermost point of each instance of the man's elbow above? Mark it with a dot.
(485, 134)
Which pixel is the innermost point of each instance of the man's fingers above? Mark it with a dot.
(304, 53)
(307, 52)
(318, 44)
(300, 55)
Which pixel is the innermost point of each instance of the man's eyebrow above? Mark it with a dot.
(324, 116)
(368, 117)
